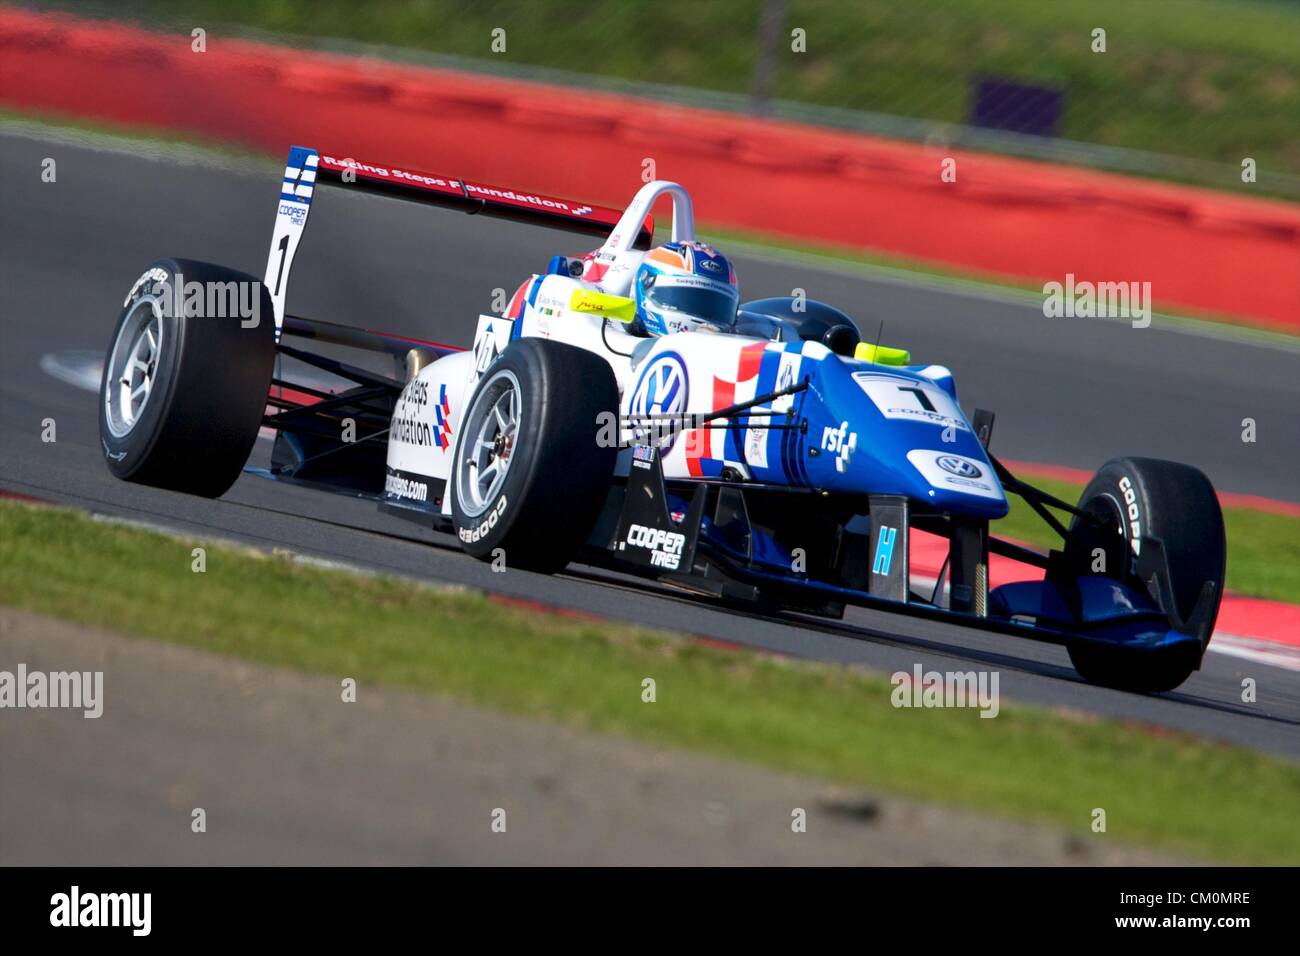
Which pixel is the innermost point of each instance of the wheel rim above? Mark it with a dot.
(133, 366)
(490, 442)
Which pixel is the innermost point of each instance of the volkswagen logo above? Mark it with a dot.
(660, 391)
(959, 466)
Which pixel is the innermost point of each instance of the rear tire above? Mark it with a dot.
(530, 476)
(183, 393)
(1134, 499)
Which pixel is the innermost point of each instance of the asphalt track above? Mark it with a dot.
(1069, 392)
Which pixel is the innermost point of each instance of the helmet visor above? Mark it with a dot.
(708, 303)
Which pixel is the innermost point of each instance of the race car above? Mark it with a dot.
(757, 453)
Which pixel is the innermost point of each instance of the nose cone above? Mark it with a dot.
(905, 435)
(959, 482)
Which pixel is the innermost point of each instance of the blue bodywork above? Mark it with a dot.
(879, 462)
(890, 417)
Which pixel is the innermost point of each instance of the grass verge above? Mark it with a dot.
(1167, 790)
(1263, 548)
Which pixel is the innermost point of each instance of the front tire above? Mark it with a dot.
(530, 474)
(1129, 500)
(182, 394)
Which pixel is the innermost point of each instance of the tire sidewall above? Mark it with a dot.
(1175, 504)
(1118, 489)
(1168, 501)
(559, 475)
(211, 379)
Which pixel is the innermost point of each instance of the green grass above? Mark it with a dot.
(1209, 79)
(1263, 548)
(1167, 790)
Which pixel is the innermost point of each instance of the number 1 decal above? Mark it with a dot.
(907, 399)
(291, 217)
(284, 251)
(921, 397)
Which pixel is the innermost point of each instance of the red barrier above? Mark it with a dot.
(1199, 250)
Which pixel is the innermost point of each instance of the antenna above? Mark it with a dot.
(879, 333)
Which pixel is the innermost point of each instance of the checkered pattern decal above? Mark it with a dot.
(299, 175)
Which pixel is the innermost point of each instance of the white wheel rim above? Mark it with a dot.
(489, 443)
(133, 367)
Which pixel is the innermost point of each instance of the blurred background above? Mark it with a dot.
(1101, 139)
(1001, 140)
(1183, 90)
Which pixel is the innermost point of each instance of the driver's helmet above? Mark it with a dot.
(685, 287)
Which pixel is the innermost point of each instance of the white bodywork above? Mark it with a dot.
(424, 435)
(672, 375)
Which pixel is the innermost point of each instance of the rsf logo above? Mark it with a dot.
(841, 442)
(661, 392)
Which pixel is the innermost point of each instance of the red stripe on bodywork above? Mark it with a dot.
(516, 307)
(751, 359)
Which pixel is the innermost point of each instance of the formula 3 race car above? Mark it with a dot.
(782, 464)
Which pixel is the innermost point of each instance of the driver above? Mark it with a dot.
(684, 287)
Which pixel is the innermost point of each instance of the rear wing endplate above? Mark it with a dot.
(307, 168)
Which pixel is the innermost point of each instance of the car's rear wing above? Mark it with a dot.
(307, 168)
